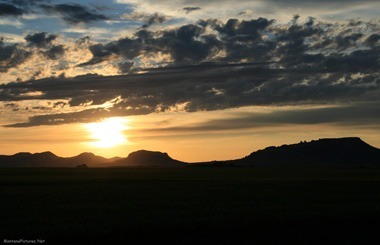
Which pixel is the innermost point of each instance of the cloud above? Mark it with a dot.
(74, 13)
(11, 56)
(354, 115)
(100, 53)
(373, 40)
(279, 9)
(10, 22)
(55, 52)
(18, 8)
(10, 10)
(198, 88)
(40, 39)
(125, 47)
(125, 67)
(148, 19)
(25, 2)
(155, 18)
(214, 65)
(304, 44)
(191, 9)
(84, 116)
(187, 44)
(247, 12)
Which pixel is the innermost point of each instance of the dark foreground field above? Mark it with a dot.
(190, 205)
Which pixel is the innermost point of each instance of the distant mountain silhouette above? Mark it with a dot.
(88, 158)
(48, 159)
(323, 152)
(145, 158)
(26, 159)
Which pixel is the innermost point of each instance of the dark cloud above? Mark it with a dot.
(244, 29)
(149, 19)
(99, 53)
(292, 39)
(40, 40)
(373, 40)
(43, 41)
(74, 13)
(156, 18)
(360, 60)
(204, 87)
(191, 9)
(11, 56)
(125, 47)
(55, 52)
(23, 3)
(83, 41)
(255, 40)
(240, 63)
(125, 67)
(348, 41)
(188, 44)
(10, 10)
(243, 39)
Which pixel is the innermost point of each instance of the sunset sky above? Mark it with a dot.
(200, 80)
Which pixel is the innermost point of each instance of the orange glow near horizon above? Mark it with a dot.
(175, 133)
(107, 133)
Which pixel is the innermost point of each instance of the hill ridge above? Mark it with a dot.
(347, 151)
(149, 158)
(324, 151)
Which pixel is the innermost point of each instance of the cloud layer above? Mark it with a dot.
(203, 65)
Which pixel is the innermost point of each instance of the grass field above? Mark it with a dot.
(190, 205)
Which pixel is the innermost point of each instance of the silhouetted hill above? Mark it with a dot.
(48, 159)
(331, 152)
(145, 158)
(88, 158)
(323, 152)
(26, 159)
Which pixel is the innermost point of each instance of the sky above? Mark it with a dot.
(200, 80)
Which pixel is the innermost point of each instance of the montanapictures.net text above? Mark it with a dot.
(24, 241)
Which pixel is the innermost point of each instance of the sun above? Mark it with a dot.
(108, 133)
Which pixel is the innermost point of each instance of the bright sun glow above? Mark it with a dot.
(108, 133)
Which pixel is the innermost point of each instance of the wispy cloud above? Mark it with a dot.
(10, 22)
(354, 115)
(74, 13)
(191, 9)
